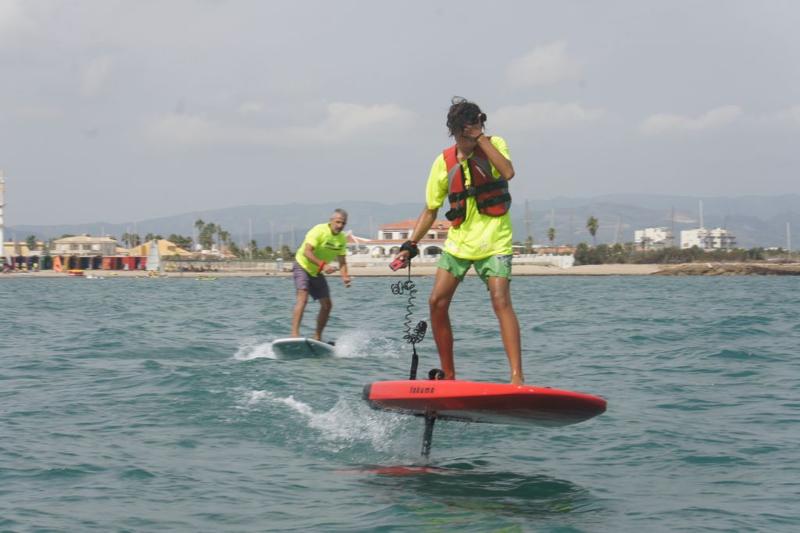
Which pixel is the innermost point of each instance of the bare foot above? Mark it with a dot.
(517, 379)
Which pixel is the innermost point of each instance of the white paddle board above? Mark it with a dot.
(300, 348)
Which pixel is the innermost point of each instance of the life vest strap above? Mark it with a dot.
(474, 191)
(454, 214)
(500, 199)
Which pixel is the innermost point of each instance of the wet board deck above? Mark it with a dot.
(301, 347)
(498, 403)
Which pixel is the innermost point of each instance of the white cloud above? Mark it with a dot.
(544, 65)
(343, 123)
(350, 121)
(11, 14)
(177, 129)
(251, 108)
(95, 75)
(668, 123)
(543, 115)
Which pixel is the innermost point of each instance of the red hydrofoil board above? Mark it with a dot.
(471, 401)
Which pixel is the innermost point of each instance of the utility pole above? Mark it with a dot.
(272, 234)
(250, 238)
(529, 235)
(672, 226)
(702, 225)
(571, 226)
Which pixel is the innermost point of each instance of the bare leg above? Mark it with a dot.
(444, 287)
(325, 306)
(509, 326)
(299, 308)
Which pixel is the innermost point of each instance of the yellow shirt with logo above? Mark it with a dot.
(327, 247)
(479, 236)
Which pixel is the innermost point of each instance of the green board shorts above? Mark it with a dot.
(495, 266)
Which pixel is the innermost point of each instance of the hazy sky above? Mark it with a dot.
(125, 110)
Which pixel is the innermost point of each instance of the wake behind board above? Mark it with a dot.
(300, 348)
(470, 401)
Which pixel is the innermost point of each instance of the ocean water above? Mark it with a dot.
(156, 405)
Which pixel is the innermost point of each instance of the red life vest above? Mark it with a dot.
(491, 195)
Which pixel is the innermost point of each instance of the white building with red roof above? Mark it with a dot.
(391, 236)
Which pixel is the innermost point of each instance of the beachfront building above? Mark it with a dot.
(391, 236)
(84, 245)
(165, 249)
(20, 248)
(561, 256)
(708, 239)
(652, 238)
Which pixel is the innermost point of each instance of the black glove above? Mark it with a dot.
(411, 248)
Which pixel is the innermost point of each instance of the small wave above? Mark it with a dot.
(345, 424)
(136, 473)
(740, 355)
(254, 350)
(361, 343)
(68, 472)
(743, 320)
(256, 396)
(351, 344)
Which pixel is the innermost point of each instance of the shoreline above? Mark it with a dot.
(686, 269)
(355, 272)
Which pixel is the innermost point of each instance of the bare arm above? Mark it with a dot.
(343, 270)
(309, 253)
(424, 222)
(503, 165)
(498, 160)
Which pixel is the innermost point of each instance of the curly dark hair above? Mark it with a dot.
(463, 113)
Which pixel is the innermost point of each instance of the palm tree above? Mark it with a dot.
(206, 237)
(592, 225)
(551, 234)
(224, 237)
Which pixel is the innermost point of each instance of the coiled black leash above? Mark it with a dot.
(408, 286)
(412, 337)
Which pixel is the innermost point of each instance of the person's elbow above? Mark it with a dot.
(508, 174)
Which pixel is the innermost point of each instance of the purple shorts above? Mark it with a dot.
(317, 287)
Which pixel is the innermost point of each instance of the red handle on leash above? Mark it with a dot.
(399, 262)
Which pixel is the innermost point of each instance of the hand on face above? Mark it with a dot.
(473, 131)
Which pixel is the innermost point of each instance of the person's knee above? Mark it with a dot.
(501, 300)
(501, 304)
(326, 305)
(438, 303)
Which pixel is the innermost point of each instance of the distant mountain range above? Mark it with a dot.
(754, 220)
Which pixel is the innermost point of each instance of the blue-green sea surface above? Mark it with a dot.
(156, 405)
